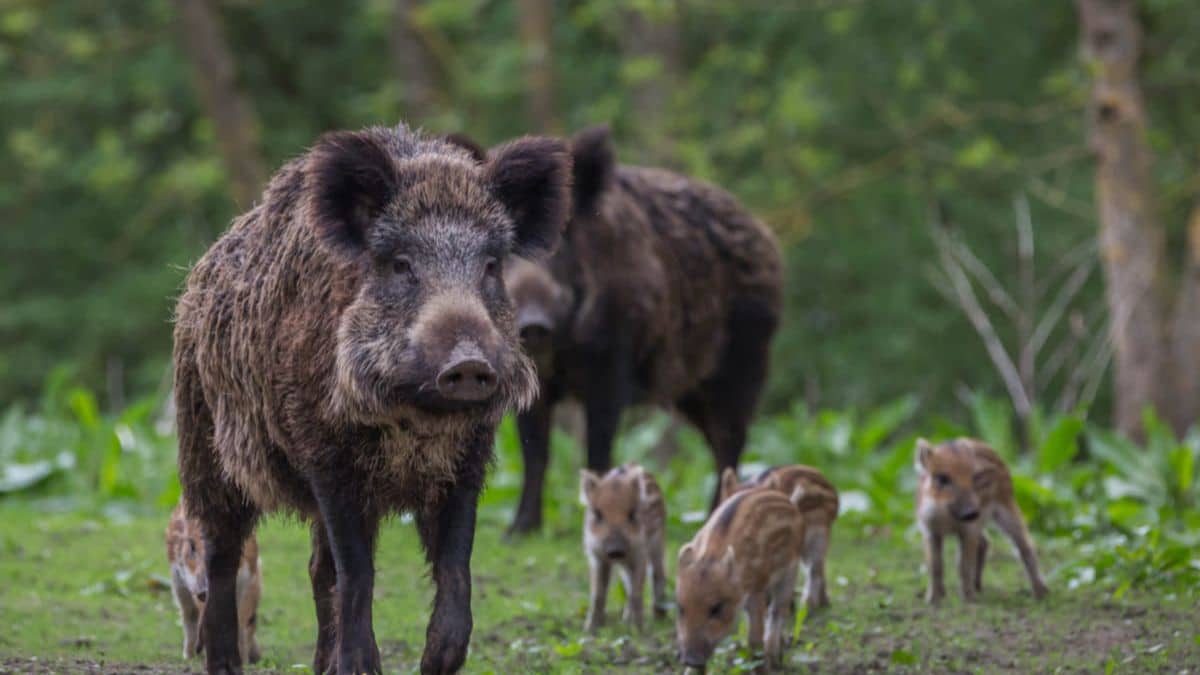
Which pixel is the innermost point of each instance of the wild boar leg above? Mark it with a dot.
(600, 573)
(633, 575)
(351, 535)
(756, 607)
(933, 559)
(780, 618)
(220, 623)
(608, 391)
(1009, 520)
(983, 550)
(448, 536)
(723, 406)
(189, 613)
(816, 546)
(533, 426)
(323, 575)
(658, 578)
(968, 559)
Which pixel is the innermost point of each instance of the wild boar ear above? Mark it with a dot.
(467, 143)
(587, 485)
(351, 178)
(921, 460)
(594, 165)
(729, 482)
(687, 556)
(531, 177)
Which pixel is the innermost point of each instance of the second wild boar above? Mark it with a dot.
(665, 291)
(962, 485)
(745, 557)
(623, 527)
(817, 500)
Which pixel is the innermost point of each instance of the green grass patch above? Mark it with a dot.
(88, 592)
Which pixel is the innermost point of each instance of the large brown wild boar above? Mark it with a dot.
(745, 557)
(189, 585)
(963, 484)
(623, 526)
(817, 500)
(666, 291)
(345, 351)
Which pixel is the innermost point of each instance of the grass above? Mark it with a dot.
(87, 593)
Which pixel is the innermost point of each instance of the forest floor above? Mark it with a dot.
(88, 593)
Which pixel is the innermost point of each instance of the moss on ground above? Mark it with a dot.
(87, 593)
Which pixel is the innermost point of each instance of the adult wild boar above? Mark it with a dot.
(345, 351)
(665, 290)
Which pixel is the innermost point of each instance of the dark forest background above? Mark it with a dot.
(915, 159)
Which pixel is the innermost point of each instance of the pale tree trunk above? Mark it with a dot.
(1132, 241)
(652, 37)
(414, 64)
(537, 23)
(232, 115)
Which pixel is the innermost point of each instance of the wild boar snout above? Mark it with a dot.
(965, 510)
(535, 328)
(467, 375)
(615, 547)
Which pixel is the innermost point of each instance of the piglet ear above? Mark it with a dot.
(594, 165)
(687, 556)
(729, 483)
(350, 180)
(531, 178)
(587, 485)
(921, 459)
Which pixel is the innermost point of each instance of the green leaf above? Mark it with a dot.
(1060, 445)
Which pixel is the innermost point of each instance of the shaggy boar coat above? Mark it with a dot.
(345, 351)
(666, 291)
(817, 500)
(189, 585)
(962, 484)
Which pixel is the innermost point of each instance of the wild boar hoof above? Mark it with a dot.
(359, 658)
(1040, 591)
(445, 646)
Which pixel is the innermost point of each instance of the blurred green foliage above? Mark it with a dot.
(1129, 515)
(839, 122)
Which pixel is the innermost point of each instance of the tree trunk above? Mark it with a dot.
(1185, 335)
(537, 23)
(1132, 241)
(231, 113)
(651, 40)
(414, 65)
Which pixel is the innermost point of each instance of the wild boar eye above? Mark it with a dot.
(597, 515)
(191, 547)
(491, 267)
(942, 479)
(715, 610)
(402, 266)
(633, 517)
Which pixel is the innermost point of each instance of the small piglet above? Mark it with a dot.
(189, 581)
(745, 556)
(962, 484)
(623, 527)
(817, 500)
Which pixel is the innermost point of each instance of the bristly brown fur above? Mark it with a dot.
(345, 351)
